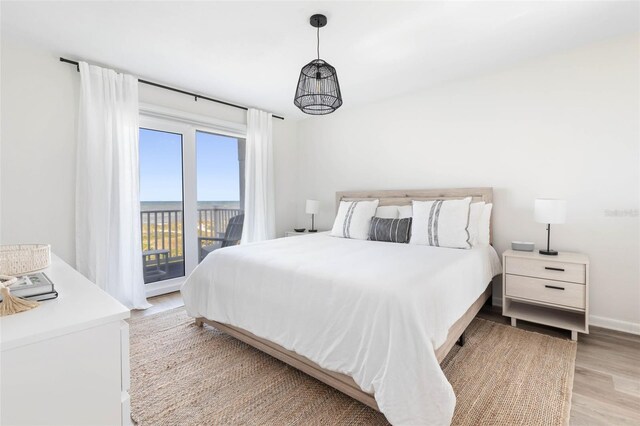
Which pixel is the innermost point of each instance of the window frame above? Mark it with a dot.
(187, 124)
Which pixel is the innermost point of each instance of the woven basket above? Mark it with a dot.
(23, 258)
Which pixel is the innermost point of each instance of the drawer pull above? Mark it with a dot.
(555, 287)
(549, 268)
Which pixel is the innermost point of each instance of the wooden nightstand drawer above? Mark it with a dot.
(547, 291)
(553, 270)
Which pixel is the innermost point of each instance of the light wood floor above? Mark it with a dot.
(606, 386)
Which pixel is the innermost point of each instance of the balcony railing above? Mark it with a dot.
(213, 222)
(162, 230)
(163, 238)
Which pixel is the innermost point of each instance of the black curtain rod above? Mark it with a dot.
(173, 89)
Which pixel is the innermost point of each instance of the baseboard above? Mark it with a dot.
(163, 287)
(603, 322)
(614, 324)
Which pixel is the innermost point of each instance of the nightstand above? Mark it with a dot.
(297, 234)
(550, 290)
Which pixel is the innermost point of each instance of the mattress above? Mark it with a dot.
(375, 311)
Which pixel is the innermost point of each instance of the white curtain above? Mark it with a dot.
(108, 250)
(259, 209)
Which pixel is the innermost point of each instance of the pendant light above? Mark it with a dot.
(318, 91)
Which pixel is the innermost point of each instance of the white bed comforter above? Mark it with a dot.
(372, 310)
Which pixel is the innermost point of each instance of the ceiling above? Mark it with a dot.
(251, 52)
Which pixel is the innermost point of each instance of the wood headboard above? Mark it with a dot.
(404, 197)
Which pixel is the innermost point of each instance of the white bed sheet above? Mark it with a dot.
(372, 310)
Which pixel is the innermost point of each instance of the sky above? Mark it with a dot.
(161, 167)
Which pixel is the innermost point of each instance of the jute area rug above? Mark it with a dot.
(186, 375)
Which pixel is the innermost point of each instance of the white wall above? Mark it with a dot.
(562, 126)
(37, 137)
(37, 164)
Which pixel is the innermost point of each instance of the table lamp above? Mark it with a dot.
(550, 211)
(313, 207)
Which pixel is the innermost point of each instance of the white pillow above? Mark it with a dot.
(441, 223)
(405, 211)
(475, 211)
(484, 226)
(387, 212)
(353, 219)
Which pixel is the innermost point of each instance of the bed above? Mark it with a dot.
(371, 319)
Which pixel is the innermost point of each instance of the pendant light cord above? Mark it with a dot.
(318, 45)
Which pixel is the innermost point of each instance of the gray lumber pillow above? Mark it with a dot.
(390, 230)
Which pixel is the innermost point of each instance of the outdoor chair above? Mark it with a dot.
(232, 236)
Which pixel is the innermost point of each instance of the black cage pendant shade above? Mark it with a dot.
(318, 90)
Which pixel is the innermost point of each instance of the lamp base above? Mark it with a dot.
(549, 252)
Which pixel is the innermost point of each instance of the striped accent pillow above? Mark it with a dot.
(390, 230)
(441, 223)
(353, 218)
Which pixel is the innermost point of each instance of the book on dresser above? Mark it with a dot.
(37, 286)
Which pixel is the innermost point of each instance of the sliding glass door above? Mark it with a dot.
(191, 192)
(161, 205)
(220, 176)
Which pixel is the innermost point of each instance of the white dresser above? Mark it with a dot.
(66, 362)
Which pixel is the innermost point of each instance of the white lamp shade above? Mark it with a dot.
(550, 211)
(313, 207)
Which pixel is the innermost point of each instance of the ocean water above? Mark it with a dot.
(146, 206)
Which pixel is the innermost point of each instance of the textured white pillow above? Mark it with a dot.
(353, 219)
(475, 211)
(484, 226)
(387, 212)
(405, 211)
(441, 223)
